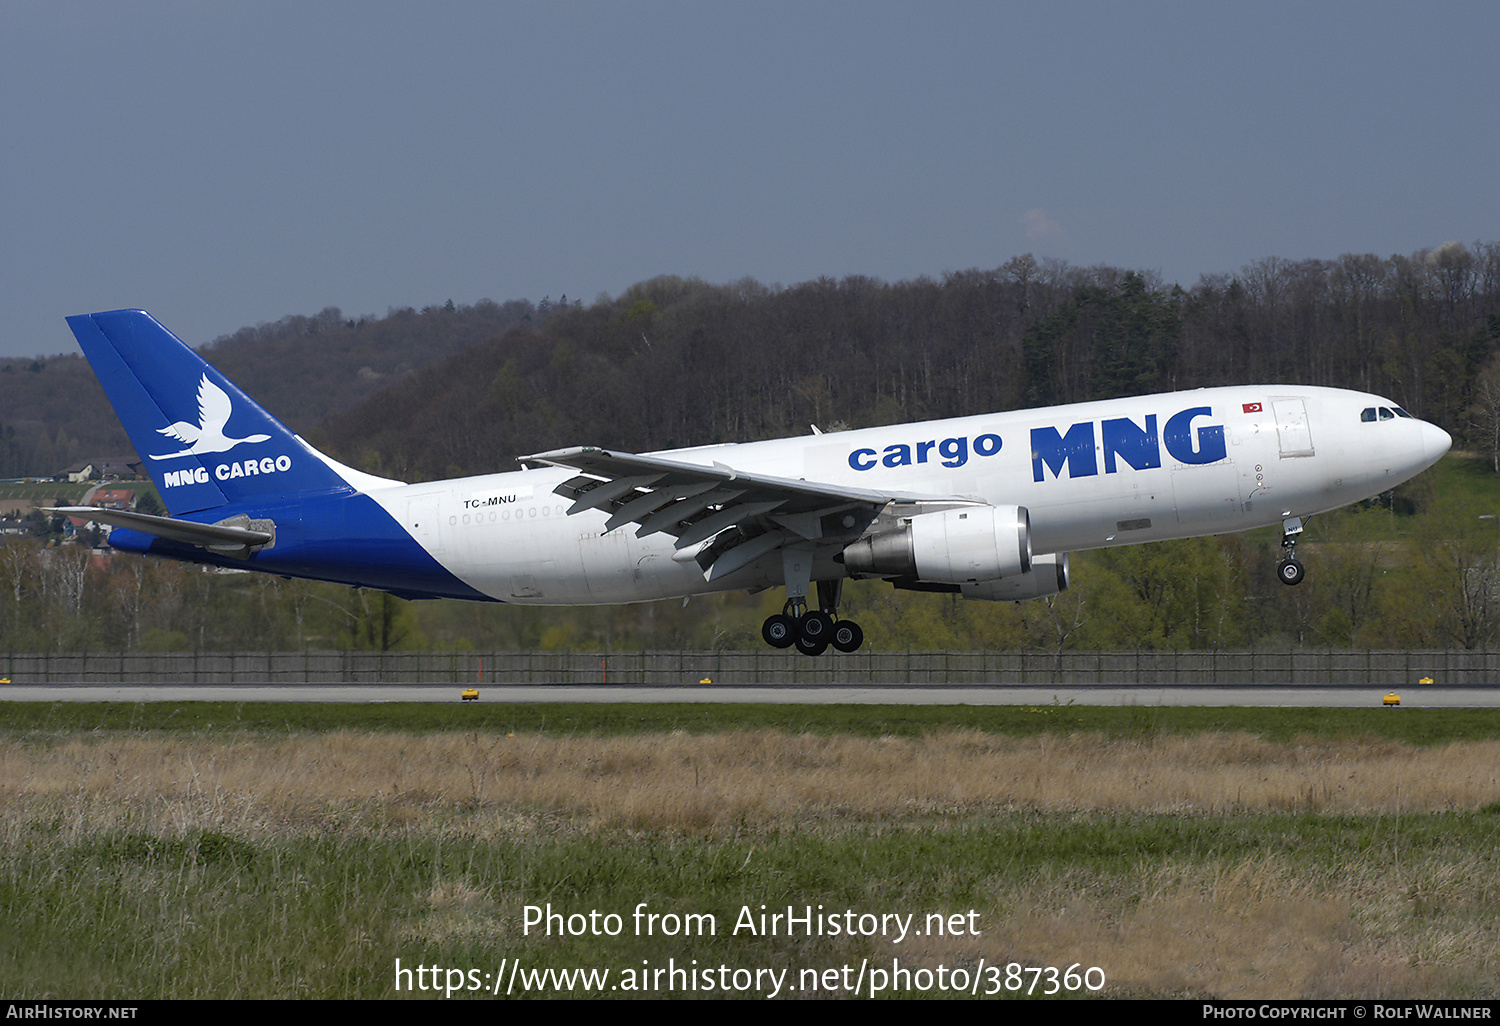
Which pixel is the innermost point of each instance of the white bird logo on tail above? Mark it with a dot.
(207, 435)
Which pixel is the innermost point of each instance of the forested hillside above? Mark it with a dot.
(676, 362)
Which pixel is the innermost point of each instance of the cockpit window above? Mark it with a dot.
(1370, 414)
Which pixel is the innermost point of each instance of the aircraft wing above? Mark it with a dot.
(742, 515)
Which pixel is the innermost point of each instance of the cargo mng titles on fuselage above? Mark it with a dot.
(1074, 450)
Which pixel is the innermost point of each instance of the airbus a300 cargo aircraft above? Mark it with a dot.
(988, 506)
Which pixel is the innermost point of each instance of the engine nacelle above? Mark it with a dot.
(954, 546)
(1048, 576)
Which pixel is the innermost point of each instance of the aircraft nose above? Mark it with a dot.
(1435, 442)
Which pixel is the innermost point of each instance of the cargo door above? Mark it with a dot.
(1292, 428)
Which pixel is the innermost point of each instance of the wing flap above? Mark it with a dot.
(749, 513)
(692, 501)
(745, 553)
(638, 509)
(671, 518)
(728, 516)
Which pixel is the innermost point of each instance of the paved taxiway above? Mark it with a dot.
(1300, 696)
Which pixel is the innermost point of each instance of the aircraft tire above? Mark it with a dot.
(779, 631)
(812, 646)
(847, 636)
(815, 626)
(1290, 571)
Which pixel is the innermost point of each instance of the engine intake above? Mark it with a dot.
(954, 546)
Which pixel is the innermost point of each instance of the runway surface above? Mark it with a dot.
(1300, 696)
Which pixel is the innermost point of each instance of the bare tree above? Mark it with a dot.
(1486, 408)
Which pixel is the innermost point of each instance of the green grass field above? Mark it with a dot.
(1411, 726)
(44, 491)
(219, 850)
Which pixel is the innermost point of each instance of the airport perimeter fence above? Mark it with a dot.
(1295, 666)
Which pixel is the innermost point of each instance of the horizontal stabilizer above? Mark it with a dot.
(213, 536)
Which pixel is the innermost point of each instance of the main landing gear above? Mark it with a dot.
(813, 630)
(1289, 570)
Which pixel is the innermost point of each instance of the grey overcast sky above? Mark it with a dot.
(224, 164)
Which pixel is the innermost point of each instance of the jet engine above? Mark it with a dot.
(1048, 576)
(954, 546)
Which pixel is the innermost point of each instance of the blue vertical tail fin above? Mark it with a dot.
(204, 442)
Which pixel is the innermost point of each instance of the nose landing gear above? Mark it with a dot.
(1289, 570)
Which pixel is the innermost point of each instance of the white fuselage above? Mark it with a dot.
(1113, 472)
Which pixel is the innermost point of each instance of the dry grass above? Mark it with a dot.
(1271, 925)
(735, 779)
(1256, 929)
